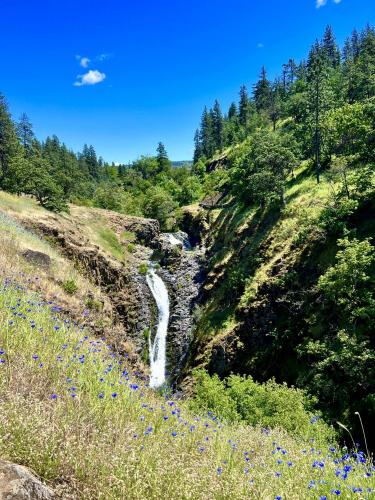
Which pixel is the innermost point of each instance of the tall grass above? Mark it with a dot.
(72, 411)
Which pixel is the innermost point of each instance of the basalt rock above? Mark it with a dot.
(184, 278)
(18, 483)
(39, 259)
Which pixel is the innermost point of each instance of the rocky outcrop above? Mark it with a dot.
(146, 230)
(18, 483)
(39, 259)
(194, 222)
(121, 282)
(220, 162)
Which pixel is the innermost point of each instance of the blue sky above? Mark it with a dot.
(151, 65)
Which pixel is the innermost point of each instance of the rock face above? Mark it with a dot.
(195, 223)
(146, 230)
(17, 483)
(182, 271)
(37, 258)
(121, 282)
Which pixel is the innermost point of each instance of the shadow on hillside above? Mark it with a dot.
(240, 235)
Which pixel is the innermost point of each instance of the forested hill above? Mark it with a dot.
(291, 259)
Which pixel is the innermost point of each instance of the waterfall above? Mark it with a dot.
(157, 348)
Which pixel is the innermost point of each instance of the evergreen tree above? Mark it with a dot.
(232, 111)
(263, 92)
(355, 42)
(162, 158)
(10, 151)
(25, 133)
(318, 99)
(330, 49)
(208, 146)
(289, 75)
(198, 152)
(244, 107)
(217, 125)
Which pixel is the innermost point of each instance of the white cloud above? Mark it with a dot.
(84, 62)
(103, 57)
(322, 3)
(260, 45)
(92, 77)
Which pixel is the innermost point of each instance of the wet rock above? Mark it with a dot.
(184, 279)
(37, 258)
(18, 483)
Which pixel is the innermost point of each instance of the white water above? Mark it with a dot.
(173, 240)
(158, 346)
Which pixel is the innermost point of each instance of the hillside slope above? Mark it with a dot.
(264, 311)
(75, 410)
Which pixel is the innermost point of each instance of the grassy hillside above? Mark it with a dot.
(266, 311)
(73, 410)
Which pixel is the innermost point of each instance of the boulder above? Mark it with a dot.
(18, 483)
(37, 258)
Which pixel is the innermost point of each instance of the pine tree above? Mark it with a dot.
(232, 111)
(289, 74)
(25, 133)
(217, 125)
(208, 146)
(10, 151)
(355, 41)
(263, 92)
(330, 49)
(198, 152)
(319, 99)
(244, 107)
(162, 158)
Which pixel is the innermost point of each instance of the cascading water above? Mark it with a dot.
(157, 348)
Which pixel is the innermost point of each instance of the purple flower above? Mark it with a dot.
(53, 396)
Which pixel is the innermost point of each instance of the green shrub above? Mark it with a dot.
(143, 269)
(131, 248)
(268, 405)
(70, 287)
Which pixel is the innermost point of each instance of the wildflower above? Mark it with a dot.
(174, 434)
(35, 357)
(56, 328)
(53, 396)
(219, 471)
(101, 395)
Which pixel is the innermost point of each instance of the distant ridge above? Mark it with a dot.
(185, 163)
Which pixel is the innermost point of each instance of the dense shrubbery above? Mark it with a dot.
(269, 405)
